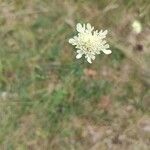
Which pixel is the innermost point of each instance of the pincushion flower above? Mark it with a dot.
(136, 26)
(89, 42)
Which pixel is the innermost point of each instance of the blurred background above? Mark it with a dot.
(51, 101)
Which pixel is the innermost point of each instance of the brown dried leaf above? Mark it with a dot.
(90, 72)
(105, 103)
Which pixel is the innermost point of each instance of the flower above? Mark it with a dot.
(136, 26)
(89, 42)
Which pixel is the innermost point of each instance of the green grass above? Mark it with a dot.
(47, 99)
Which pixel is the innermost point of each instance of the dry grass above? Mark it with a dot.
(49, 100)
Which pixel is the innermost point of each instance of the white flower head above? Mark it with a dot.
(137, 26)
(89, 42)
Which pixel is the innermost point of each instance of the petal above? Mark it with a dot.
(96, 32)
(80, 51)
(93, 57)
(72, 41)
(89, 60)
(89, 27)
(80, 28)
(105, 32)
(97, 52)
(107, 52)
(102, 33)
(75, 38)
(79, 55)
(103, 42)
(106, 46)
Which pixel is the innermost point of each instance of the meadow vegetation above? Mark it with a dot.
(51, 101)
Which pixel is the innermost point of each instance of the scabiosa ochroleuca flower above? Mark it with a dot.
(89, 42)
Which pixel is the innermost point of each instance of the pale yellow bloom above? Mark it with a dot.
(89, 42)
(137, 27)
